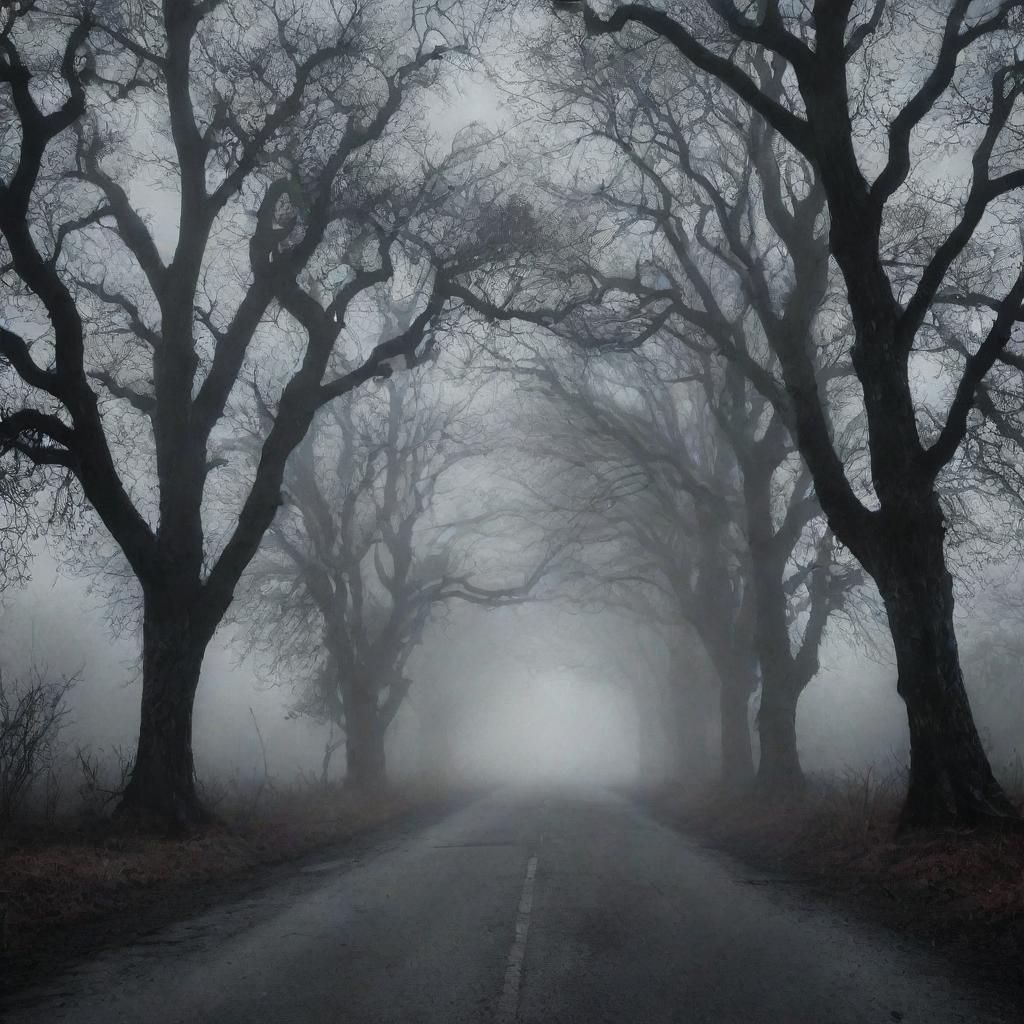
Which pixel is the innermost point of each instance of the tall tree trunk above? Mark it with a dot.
(779, 773)
(950, 776)
(737, 768)
(364, 741)
(162, 787)
(686, 717)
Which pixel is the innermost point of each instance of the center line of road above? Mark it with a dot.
(508, 1005)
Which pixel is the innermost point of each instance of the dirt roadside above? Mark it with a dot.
(960, 893)
(73, 896)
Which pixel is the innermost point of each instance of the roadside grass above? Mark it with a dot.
(958, 890)
(57, 877)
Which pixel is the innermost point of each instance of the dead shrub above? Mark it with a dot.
(33, 711)
(103, 777)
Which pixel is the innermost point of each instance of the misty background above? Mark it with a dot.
(537, 661)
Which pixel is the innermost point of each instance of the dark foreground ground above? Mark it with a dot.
(533, 907)
(74, 890)
(958, 891)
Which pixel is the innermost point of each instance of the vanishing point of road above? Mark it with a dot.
(532, 907)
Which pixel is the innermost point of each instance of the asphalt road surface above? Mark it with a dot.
(530, 907)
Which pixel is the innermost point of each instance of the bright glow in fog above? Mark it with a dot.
(549, 729)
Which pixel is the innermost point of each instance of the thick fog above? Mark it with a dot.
(483, 399)
(530, 694)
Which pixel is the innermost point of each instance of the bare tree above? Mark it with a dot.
(803, 79)
(665, 669)
(179, 182)
(650, 512)
(794, 572)
(363, 558)
(699, 472)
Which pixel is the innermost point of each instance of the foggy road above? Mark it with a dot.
(523, 906)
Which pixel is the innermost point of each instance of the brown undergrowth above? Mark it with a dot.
(960, 891)
(56, 880)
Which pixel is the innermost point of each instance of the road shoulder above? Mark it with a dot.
(93, 893)
(961, 896)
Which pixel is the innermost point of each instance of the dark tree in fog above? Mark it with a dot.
(362, 557)
(280, 145)
(682, 192)
(681, 253)
(807, 81)
(791, 564)
(673, 686)
(697, 469)
(654, 510)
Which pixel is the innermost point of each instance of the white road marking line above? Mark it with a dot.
(508, 1005)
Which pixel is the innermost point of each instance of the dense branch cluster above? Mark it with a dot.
(753, 274)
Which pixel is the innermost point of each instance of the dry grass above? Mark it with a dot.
(52, 880)
(959, 890)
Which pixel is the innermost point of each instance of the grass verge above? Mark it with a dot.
(67, 891)
(958, 891)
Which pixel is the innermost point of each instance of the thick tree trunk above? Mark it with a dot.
(686, 715)
(364, 743)
(950, 776)
(902, 545)
(779, 773)
(737, 768)
(162, 790)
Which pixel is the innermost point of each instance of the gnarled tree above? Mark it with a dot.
(801, 74)
(181, 183)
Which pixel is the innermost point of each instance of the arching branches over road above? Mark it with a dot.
(800, 84)
(653, 514)
(682, 476)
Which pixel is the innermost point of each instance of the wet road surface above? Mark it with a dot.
(544, 908)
